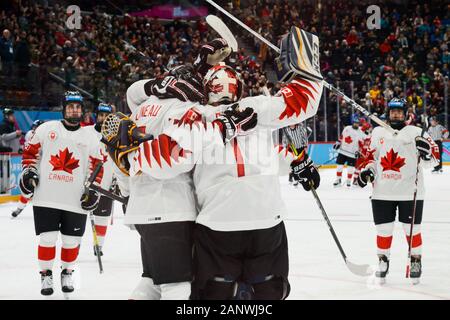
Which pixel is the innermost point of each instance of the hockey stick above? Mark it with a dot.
(220, 27)
(358, 107)
(107, 193)
(326, 162)
(413, 218)
(358, 269)
(88, 185)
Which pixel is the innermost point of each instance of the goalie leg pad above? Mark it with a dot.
(299, 55)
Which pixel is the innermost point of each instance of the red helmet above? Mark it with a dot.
(223, 85)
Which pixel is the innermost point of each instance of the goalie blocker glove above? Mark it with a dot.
(28, 181)
(304, 171)
(365, 177)
(234, 122)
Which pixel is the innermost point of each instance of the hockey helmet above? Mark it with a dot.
(72, 97)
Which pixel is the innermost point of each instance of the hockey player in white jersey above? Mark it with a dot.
(243, 241)
(393, 174)
(102, 214)
(56, 162)
(347, 148)
(23, 201)
(162, 204)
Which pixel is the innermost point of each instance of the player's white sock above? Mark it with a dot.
(69, 250)
(176, 291)
(384, 238)
(416, 249)
(146, 290)
(101, 225)
(47, 249)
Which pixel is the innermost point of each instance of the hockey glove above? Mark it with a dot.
(304, 171)
(182, 83)
(28, 181)
(423, 146)
(365, 177)
(234, 122)
(337, 145)
(90, 200)
(121, 136)
(211, 54)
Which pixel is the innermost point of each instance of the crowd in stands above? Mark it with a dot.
(409, 56)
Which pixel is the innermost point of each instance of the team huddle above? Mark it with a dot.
(199, 172)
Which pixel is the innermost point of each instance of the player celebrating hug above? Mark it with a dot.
(396, 176)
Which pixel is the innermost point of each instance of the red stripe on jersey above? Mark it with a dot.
(165, 148)
(93, 163)
(101, 230)
(416, 240)
(296, 98)
(30, 154)
(384, 242)
(239, 159)
(69, 255)
(46, 253)
(147, 153)
(155, 151)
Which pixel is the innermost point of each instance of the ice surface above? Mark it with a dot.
(317, 270)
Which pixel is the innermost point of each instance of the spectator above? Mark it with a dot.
(6, 52)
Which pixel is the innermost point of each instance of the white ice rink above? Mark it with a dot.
(317, 270)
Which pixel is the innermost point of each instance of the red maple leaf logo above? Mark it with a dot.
(392, 161)
(348, 139)
(64, 161)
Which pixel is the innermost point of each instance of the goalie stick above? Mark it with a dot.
(220, 27)
(352, 102)
(358, 269)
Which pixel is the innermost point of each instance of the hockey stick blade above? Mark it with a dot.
(220, 27)
(362, 270)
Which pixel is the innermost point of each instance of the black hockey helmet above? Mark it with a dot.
(36, 123)
(7, 112)
(72, 97)
(103, 107)
(399, 104)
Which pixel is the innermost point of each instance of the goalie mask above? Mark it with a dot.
(223, 85)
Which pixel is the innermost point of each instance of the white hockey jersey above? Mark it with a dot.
(64, 160)
(237, 185)
(160, 186)
(107, 162)
(395, 164)
(350, 140)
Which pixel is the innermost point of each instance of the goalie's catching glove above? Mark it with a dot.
(121, 136)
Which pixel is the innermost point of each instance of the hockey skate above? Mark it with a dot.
(16, 212)
(383, 268)
(416, 269)
(349, 183)
(67, 281)
(435, 171)
(46, 282)
(337, 182)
